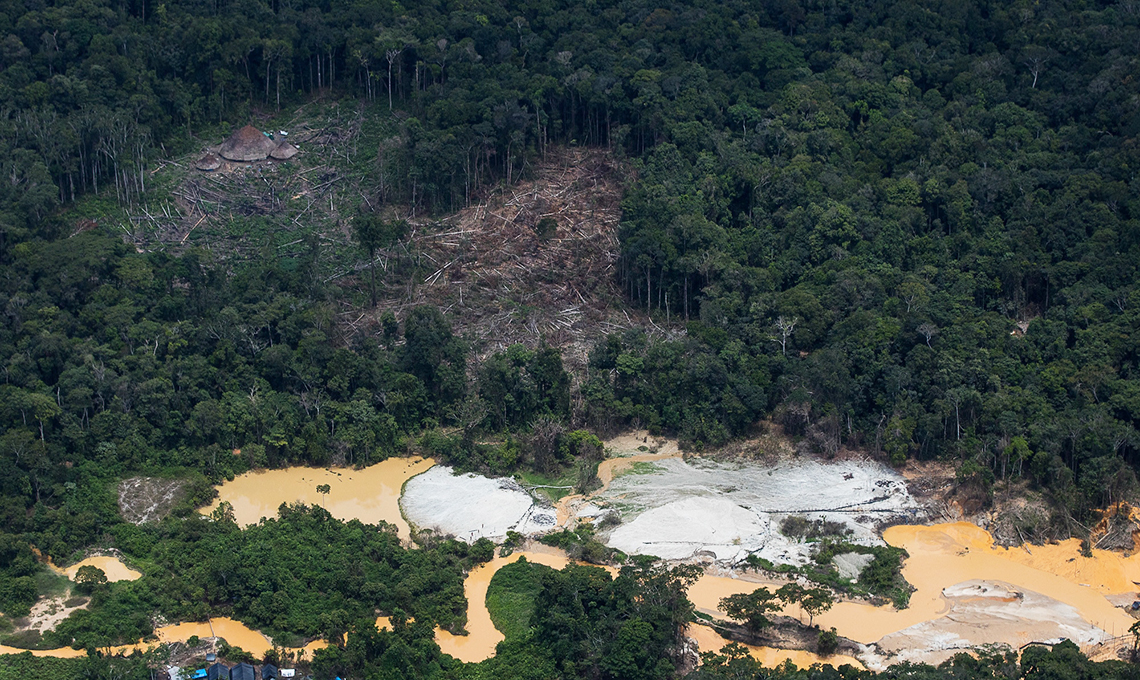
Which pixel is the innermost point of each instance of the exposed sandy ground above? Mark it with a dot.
(470, 506)
(717, 512)
(47, 612)
(986, 612)
(623, 452)
(725, 511)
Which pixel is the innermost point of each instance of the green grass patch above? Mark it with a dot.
(26, 639)
(51, 584)
(639, 467)
(511, 594)
(568, 478)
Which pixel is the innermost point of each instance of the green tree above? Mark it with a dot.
(90, 578)
(751, 609)
(434, 355)
(816, 601)
(372, 233)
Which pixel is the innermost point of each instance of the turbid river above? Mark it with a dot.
(480, 643)
(1029, 591)
(236, 633)
(709, 641)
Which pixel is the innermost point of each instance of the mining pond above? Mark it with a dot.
(371, 494)
(968, 593)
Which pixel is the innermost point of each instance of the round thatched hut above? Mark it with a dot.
(283, 151)
(209, 162)
(247, 144)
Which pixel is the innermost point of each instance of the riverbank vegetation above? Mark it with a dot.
(18, 666)
(583, 622)
(301, 576)
(881, 577)
(1035, 662)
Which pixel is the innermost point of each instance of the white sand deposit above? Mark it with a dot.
(851, 565)
(678, 530)
(470, 506)
(702, 508)
(982, 612)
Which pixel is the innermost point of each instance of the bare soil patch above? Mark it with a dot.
(149, 499)
(727, 510)
(504, 283)
(46, 614)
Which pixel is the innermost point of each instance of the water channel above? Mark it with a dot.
(942, 557)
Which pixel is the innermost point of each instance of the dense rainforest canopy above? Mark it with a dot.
(910, 227)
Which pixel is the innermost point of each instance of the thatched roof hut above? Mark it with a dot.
(283, 151)
(247, 144)
(209, 162)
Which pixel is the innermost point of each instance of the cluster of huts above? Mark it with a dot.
(247, 145)
(242, 671)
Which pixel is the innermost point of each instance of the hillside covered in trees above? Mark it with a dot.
(908, 228)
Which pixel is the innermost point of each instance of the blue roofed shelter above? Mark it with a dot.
(218, 672)
(269, 672)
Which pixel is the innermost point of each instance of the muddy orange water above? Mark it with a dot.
(370, 495)
(708, 640)
(111, 566)
(237, 634)
(940, 556)
(483, 638)
(480, 643)
(65, 653)
(946, 554)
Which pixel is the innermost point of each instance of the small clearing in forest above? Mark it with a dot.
(148, 499)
